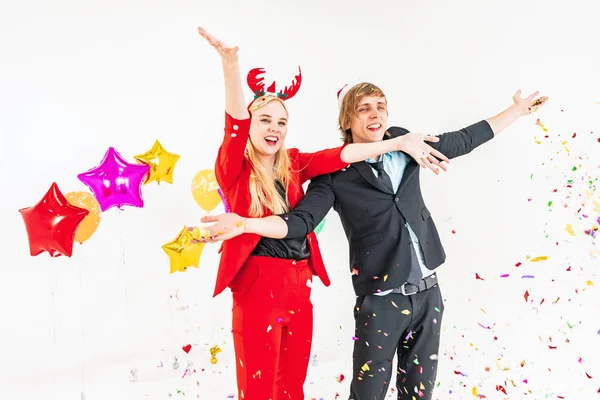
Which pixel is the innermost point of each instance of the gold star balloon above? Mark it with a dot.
(161, 163)
(183, 252)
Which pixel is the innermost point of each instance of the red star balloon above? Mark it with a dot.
(51, 224)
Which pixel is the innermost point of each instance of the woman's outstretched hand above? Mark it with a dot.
(227, 53)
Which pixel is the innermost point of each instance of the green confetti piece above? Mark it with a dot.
(436, 309)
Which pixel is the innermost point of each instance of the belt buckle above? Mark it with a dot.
(405, 293)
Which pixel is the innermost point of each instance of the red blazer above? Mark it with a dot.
(232, 170)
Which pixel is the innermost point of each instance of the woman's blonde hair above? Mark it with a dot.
(263, 190)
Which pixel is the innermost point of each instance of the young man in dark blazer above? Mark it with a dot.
(394, 244)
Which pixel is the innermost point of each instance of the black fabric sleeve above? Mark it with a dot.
(311, 209)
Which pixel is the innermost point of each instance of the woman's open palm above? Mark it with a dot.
(226, 52)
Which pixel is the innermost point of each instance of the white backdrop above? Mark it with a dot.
(78, 77)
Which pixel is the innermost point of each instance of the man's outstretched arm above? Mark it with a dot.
(459, 143)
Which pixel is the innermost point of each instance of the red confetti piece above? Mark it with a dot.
(518, 264)
(500, 388)
(453, 232)
(187, 348)
(526, 295)
(340, 378)
(588, 375)
(478, 277)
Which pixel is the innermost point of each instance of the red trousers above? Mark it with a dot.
(272, 328)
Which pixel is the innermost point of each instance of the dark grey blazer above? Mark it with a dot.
(374, 217)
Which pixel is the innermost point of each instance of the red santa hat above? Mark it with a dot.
(344, 90)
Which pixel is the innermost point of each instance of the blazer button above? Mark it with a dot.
(396, 199)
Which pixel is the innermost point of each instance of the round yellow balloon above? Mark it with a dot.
(88, 226)
(205, 190)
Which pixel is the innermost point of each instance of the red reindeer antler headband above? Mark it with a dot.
(258, 86)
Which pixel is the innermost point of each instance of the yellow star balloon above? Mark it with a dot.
(182, 252)
(161, 163)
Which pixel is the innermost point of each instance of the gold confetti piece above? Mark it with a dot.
(269, 329)
(569, 229)
(385, 278)
(539, 122)
(540, 258)
(406, 312)
(365, 367)
(213, 353)
(256, 374)
(590, 283)
(475, 392)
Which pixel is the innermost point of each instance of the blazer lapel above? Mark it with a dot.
(367, 172)
(411, 169)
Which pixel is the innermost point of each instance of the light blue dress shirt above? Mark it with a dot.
(394, 164)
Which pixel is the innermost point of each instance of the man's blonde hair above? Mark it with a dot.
(350, 103)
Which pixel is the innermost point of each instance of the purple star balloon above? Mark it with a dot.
(115, 182)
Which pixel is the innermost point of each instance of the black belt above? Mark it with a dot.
(409, 289)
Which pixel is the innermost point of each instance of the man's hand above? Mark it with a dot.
(528, 105)
(414, 144)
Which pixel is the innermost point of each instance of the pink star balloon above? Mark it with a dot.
(115, 182)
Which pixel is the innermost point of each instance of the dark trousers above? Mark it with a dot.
(396, 324)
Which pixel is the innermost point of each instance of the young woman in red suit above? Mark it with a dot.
(270, 278)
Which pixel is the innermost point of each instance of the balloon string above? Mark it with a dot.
(133, 372)
(54, 322)
(54, 309)
(81, 326)
(173, 291)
